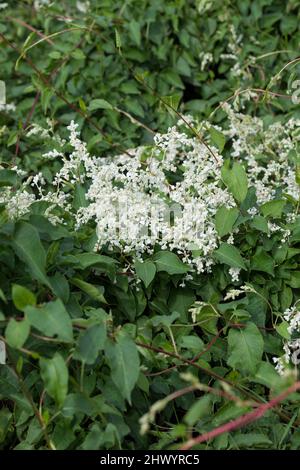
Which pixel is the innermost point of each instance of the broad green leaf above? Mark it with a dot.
(169, 262)
(22, 297)
(171, 103)
(165, 320)
(207, 317)
(236, 180)
(31, 251)
(261, 261)
(192, 343)
(78, 403)
(99, 103)
(5, 420)
(218, 138)
(55, 375)
(225, 219)
(103, 263)
(200, 408)
(230, 255)
(259, 223)
(273, 208)
(17, 332)
(60, 286)
(135, 31)
(51, 319)
(250, 439)
(124, 363)
(90, 342)
(245, 348)
(47, 230)
(79, 199)
(8, 178)
(294, 280)
(145, 271)
(282, 330)
(86, 260)
(95, 292)
(2, 296)
(267, 375)
(228, 412)
(181, 300)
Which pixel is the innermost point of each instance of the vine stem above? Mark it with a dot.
(29, 397)
(214, 375)
(242, 420)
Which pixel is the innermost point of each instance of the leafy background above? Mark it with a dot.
(88, 354)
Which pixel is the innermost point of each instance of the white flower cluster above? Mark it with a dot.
(233, 293)
(38, 4)
(266, 151)
(234, 273)
(165, 198)
(206, 59)
(291, 347)
(7, 107)
(292, 316)
(83, 7)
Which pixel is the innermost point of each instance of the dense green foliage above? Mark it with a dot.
(94, 340)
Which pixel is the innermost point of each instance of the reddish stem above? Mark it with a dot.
(242, 420)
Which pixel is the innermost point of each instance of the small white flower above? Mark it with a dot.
(234, 273)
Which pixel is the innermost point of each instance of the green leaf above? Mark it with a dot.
(229, 255)
(86, 260)
(217, 137)
(236, 180)
(22, 297)
(31, 251)
(259, 223)
(267, 375)
(51, 319)
(60, 286)
(8, 178)
(55, 375)
(199, 409)
(171, 103)
(124, 362)
(145, 271)
(245, 348)
(261, 261)
(79, 199)
(95, 292)
(282, 330)
(99, 103)
(78, 403)
(170, 263)
(165, 320)
(294, 280)
(17, 332)
(103, 263)
(273, 208)
(251, 439)
(91, 342)
(135, 32)
(207, 317)
(225, 219)
(2, 296)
